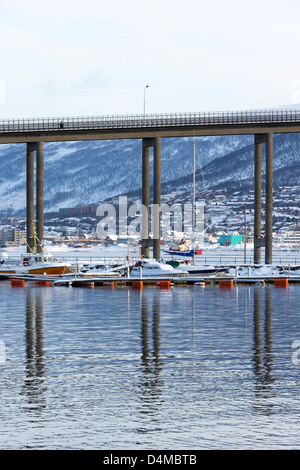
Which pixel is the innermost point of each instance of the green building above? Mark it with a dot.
(228, 240)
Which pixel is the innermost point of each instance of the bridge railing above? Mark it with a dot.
(63, 124)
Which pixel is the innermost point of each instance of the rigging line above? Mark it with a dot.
(201, 169)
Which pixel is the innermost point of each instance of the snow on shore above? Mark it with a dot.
(263, 271)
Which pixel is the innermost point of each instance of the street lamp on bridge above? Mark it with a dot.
(147, 86)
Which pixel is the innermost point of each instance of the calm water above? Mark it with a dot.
(185, 368)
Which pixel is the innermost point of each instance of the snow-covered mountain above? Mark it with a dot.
(81, 173)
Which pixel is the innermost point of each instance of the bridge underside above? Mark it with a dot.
(151, 129)
(259, 241)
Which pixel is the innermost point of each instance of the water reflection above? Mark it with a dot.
(262, 347)
(34, 349)
(150, 357)
(191, 323)
(152, 383)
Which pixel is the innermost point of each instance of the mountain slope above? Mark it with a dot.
(80, 173)
(235, 170)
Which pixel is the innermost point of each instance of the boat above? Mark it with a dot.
(188, 253)
(102, 269)
(182, 248)
(33, 263)
(194, 269)
(151, 268)
(204, 270)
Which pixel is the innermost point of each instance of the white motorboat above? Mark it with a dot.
(151, 268)
(198, 269)
(33, 263)
(204, 270)
(101, 269)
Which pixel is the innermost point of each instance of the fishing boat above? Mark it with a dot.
(151, 268)
(33, 263)
(182, 248)
(36, 261)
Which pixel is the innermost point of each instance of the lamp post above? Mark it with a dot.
(147, 86)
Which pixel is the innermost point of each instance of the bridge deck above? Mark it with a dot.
(138, 126)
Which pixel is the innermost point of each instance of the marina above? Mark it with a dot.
(113, 269)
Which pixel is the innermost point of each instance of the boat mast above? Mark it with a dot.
(193, 213)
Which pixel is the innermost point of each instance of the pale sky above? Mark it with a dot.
(95, 57)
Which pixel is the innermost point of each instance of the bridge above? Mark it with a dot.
(151, 128)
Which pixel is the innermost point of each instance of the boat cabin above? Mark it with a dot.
(31, 258)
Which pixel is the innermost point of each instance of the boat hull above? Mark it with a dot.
(159, 275)
(153, 269)
(183, 253)
(49, 270)
(204, 271)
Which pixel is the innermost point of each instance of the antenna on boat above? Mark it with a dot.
(25, 242)
(193, 213)
(201, 169)
(37, 239)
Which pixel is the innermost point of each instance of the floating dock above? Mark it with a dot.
(138, 283)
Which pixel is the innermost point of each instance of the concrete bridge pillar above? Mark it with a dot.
(39, 149)
(40, 192)
(269, 199)
(30, 195)
(145, 195)
(156, 212)
(259, 241)
(156, 197)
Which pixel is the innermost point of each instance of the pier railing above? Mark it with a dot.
(63, 124)
(293, 259)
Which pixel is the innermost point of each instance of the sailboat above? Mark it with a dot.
(190, 250)
(183, 247)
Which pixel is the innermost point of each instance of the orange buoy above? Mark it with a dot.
(137, 285)
(109, 284)
(228, 283)
(283, 282)
(17, 282)
(43, 283)
(163, 284)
